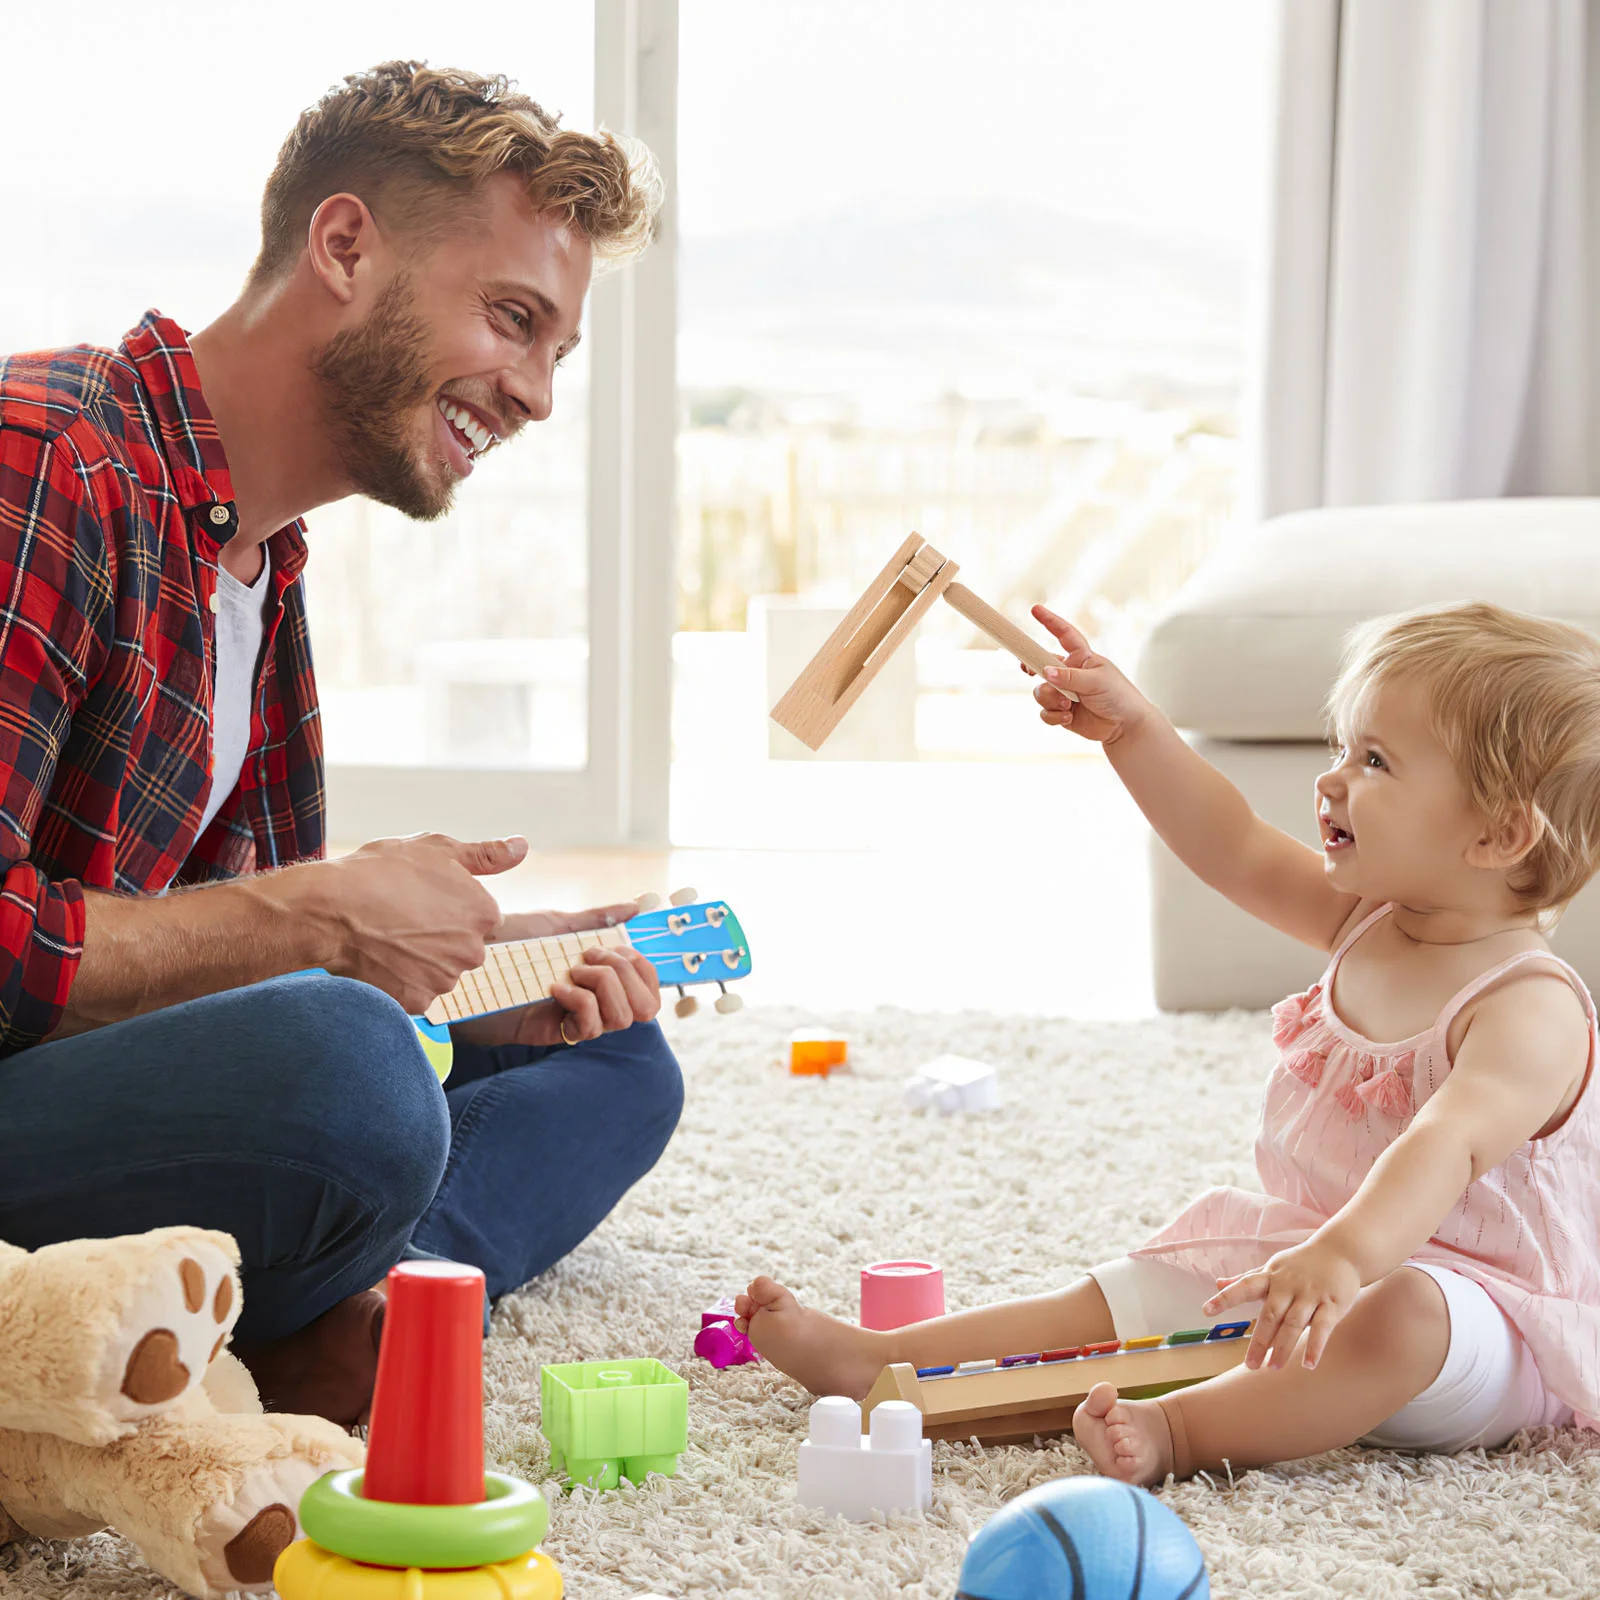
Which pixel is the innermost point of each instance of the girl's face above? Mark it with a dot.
(1396, 820)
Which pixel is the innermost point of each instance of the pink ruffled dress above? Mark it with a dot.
(1529, 1231)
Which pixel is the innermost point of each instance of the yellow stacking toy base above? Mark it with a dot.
(305, 1571)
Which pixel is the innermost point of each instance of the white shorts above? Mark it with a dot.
(1487, 1390)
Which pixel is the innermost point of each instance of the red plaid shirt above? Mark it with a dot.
(115, 502)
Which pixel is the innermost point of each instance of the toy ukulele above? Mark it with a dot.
(687, 944)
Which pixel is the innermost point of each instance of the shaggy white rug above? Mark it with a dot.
(1106, 1129)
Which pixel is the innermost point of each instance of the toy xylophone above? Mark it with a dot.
(1015, 1397)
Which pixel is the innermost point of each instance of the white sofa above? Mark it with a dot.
(1243, 660)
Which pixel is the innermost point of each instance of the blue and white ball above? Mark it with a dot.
(1084, 1539)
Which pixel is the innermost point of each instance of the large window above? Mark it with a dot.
(974, 272)
(977, 272)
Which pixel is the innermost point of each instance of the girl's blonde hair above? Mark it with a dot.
(1515, 700)
(417, 142)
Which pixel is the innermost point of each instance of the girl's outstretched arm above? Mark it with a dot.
(1204, 820)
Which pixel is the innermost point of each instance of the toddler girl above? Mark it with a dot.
(1423, 1259)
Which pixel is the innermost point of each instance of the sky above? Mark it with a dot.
(803, 124)
(1138, 110)
(1149, 111)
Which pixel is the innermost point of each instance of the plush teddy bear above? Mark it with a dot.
(120, 1408)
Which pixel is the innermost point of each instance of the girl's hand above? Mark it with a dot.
(1107, 705)
(1311, 1286)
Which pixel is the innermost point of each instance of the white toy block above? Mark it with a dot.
(954, 1083)
(852, 1474)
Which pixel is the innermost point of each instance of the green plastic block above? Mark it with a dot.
(608, 1419)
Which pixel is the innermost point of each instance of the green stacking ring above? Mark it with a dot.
(508, 1522)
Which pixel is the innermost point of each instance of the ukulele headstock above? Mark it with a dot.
(693, 943)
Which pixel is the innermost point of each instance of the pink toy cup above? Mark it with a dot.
(894, 1293)
(723, 1345)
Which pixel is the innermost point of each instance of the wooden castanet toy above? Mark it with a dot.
(876, 626)
(1012, 1399)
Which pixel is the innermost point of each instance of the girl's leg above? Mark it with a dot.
(833, 1357)
(1385, 1353)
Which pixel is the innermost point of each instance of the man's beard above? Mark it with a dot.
(374, 379)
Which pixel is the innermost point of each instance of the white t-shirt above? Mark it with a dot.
(239, 627)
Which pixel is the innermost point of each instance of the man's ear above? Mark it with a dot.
(1505, 841)
(341, 243)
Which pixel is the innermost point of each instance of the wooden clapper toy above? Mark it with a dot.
(1010, 1400)
(876, 626)
(686, 942)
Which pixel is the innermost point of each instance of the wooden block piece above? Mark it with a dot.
(921, 569)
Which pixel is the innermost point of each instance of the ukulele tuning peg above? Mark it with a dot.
(687, 1005)
(682, 897)
(727, 1003)
(648, 901)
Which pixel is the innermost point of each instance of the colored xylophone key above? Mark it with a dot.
(1215, 1335)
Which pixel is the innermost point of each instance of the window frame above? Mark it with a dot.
(621, 796)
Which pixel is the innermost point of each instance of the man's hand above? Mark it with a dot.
(1311, 1286)
(408, 916)
(609, 990)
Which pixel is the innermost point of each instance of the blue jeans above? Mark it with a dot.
(301, 1116)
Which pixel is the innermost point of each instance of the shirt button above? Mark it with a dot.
(214, 602)
(220, 514)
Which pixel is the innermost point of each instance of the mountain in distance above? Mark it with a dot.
(988, 294)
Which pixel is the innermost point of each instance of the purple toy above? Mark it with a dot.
(719, 1342)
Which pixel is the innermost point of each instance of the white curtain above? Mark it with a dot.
(1433, 275)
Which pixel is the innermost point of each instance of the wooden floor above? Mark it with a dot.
(1012, 888)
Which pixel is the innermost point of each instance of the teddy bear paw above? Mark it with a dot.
(239, 1541)
(97, 1335)
(172, 1327)
(239, 1555)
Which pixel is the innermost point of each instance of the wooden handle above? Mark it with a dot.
(1004, 632)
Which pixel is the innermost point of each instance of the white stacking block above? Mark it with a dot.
(954, 1083)
(852, 1474)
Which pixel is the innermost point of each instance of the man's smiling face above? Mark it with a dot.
(457, 353)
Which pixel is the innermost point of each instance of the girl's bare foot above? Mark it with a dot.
(828, 1356)
(1126, 1439)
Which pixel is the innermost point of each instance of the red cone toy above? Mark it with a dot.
(425, 1441)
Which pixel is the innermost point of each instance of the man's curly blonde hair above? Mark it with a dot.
(416, 143)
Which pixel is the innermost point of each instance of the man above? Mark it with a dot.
(165, 1057)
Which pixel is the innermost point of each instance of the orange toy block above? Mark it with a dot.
(815, 1052)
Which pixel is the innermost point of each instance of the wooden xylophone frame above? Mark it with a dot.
(1009, 1404)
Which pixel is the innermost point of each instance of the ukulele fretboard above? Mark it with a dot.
(519, 973)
